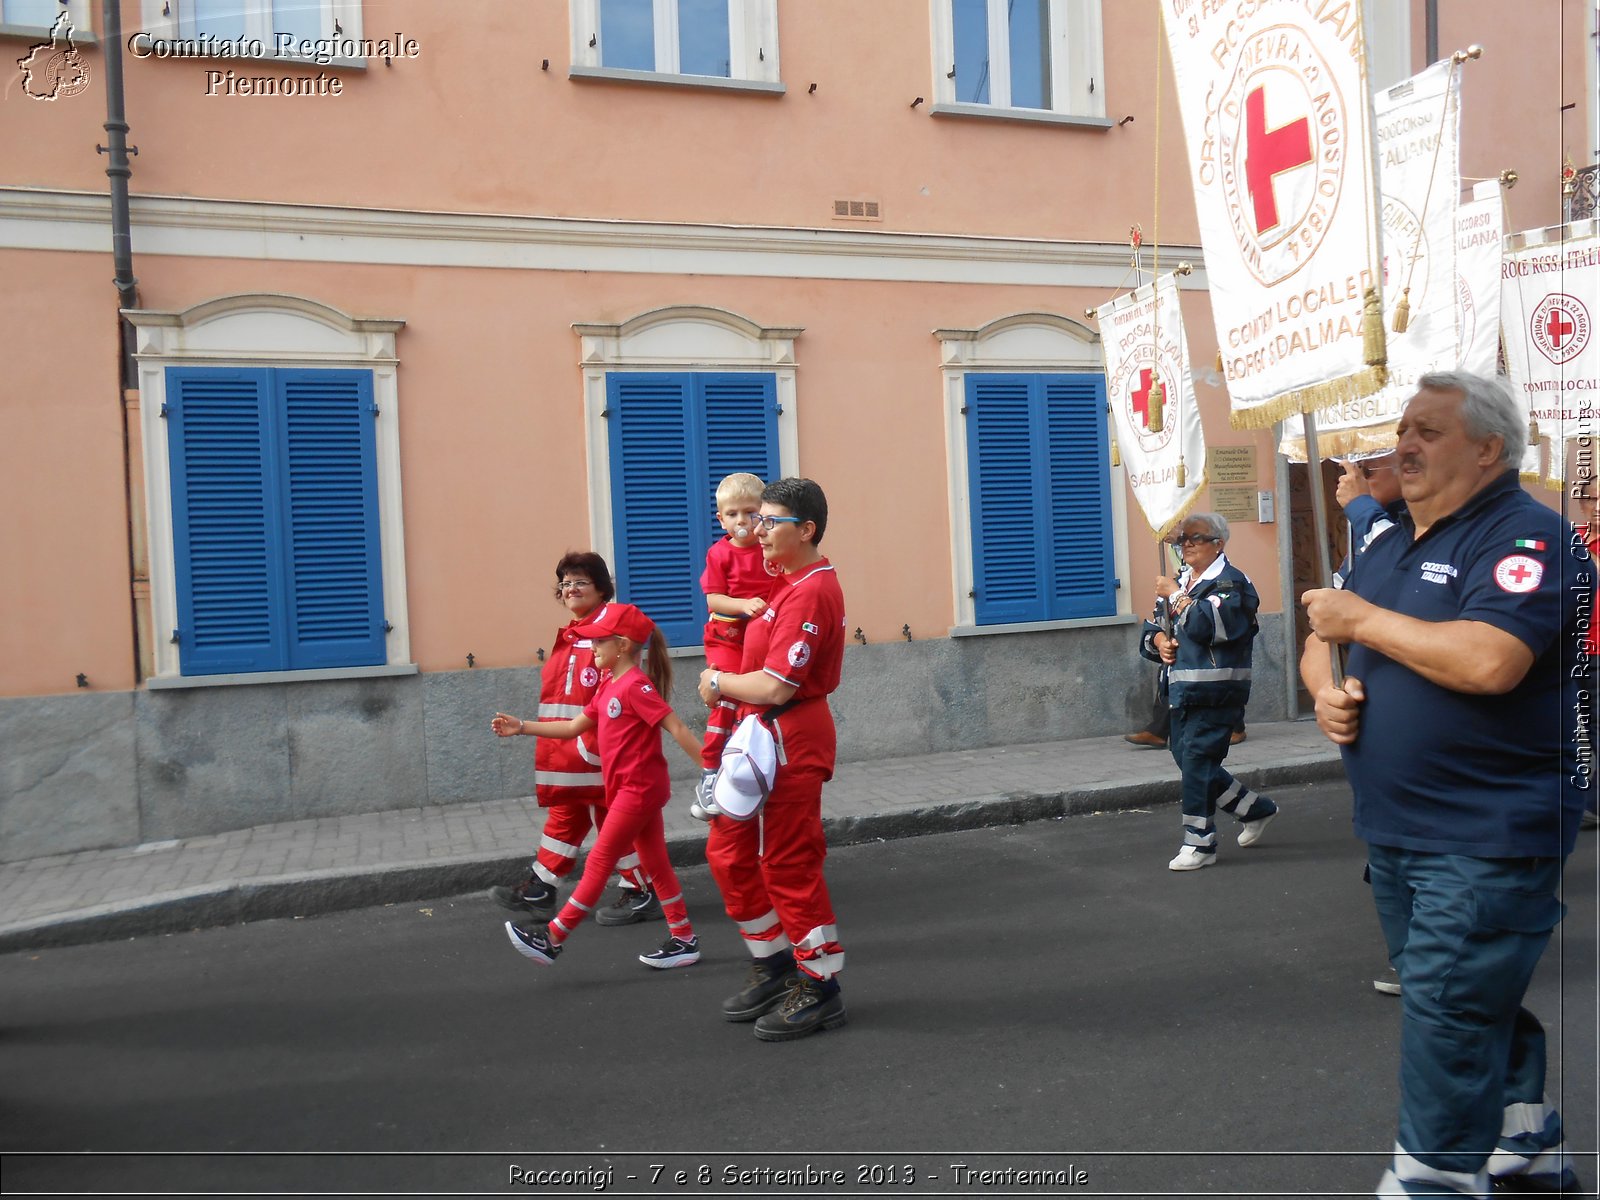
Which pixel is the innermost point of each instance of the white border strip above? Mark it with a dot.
(40, 219)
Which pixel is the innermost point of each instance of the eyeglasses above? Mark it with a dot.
(1191, 539)
(771, 523)
(1367, 472)
(573, 585)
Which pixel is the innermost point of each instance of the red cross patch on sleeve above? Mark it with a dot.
(1518, 573)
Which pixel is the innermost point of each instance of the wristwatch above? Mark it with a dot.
(716, 681)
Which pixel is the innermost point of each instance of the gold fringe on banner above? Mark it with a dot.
(1343, 443)
(1183, 513)
(1309, 399)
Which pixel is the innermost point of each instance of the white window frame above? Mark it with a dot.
(1026, 343)
(1077, 63)
(80, 13)
(680, 338)
(258, 330)
(168, 26)
(752, 45)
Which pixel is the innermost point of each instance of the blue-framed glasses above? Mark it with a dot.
(771, 523)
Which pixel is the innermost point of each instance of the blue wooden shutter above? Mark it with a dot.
(1008, 546)
(741, 424)
(333, 568)
(673, 438)
(1041, 509)
(1081, 580)
(225, 521)
(657, 454)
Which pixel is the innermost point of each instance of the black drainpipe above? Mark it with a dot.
(1431, 32)
(119, 171)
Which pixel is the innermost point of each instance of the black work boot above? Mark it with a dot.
(763, 987)
(532, 895)
(810, 1006)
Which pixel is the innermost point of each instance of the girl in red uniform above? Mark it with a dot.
(566, 774)
(627, 713)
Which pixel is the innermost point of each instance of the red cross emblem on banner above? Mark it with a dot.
(1141, 398)
(1268, 153)
(1559, 327)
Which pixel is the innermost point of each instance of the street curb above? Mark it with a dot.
(310, 893)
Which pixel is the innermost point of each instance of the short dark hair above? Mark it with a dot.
(587, 562)
(803, 498)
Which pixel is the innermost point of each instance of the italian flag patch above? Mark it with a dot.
(1529, 544)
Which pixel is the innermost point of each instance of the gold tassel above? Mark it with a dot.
(1219, 360)
(1155, 418)
(1402, 311)
(1533, 432)
(1373, 344)
(1116, 454)
(1183, 475)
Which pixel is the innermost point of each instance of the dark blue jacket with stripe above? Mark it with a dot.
(1215, 635)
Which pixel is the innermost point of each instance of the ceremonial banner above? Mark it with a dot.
(1548, 304)
(1418, 129)
(1274, 103)
(1480, 231)
(1141, 335)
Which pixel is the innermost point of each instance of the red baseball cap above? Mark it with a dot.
(617, 620)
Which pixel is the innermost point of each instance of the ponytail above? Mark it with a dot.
(657, 665)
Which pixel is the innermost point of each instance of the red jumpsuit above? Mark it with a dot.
(742, 573)
(566, 774)
(770, 869)
(628, 712)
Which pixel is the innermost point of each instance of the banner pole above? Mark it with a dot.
(1319, 523)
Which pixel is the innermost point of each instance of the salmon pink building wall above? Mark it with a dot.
(495, 203)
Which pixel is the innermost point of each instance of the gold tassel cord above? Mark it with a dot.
(1402, 311)
(1183, 475)
(1155, 412)
(1375, 347)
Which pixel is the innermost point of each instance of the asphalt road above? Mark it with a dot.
(1044, 997)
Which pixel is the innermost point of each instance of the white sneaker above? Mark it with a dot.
(1191, 858)
(1250, 832)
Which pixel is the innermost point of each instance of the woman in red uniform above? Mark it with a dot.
(770, 868)
(566, 774)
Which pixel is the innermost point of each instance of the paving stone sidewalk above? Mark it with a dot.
(304, 867)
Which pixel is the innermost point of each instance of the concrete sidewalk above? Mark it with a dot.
(304, 867)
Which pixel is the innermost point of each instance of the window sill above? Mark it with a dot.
(710, 83)
(1037, 116)
(174, 682)
(41, 33)
(1044, 626)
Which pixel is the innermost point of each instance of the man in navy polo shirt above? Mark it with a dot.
(1459, 720)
